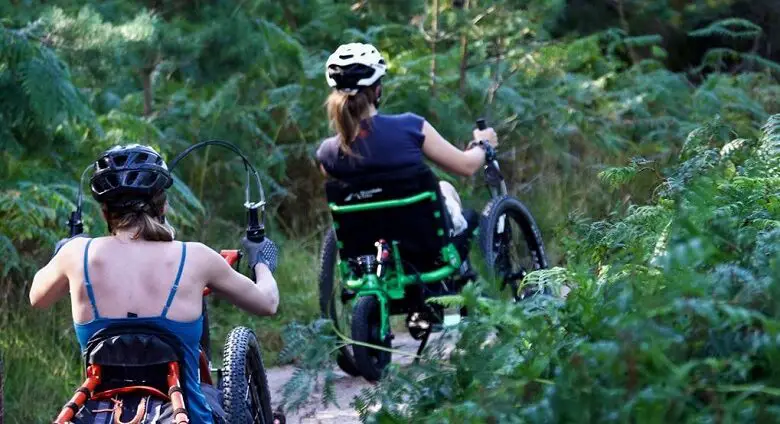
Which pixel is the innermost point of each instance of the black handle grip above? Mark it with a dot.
(481, 124)
(255, 230)
(75, 225)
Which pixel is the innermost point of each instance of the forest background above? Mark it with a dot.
(633, 129)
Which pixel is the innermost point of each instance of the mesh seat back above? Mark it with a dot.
(420, 228)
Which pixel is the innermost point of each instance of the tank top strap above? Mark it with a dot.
(88, 283)
(176, 282)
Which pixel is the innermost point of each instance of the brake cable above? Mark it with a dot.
(255, 230)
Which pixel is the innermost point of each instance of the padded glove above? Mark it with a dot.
(65, 241)
(264, 252)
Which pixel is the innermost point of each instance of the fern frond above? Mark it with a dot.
(730, 28)
(618, 176)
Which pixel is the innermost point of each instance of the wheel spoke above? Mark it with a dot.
(512, 245)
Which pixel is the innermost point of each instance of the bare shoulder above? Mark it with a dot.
(201, 251)
(73, 251)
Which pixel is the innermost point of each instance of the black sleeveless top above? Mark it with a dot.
(385, 143)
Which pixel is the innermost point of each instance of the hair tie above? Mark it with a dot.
(348, 91)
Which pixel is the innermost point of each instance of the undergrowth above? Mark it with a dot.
(673, 314)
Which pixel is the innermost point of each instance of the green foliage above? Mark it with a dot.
(683, 332)
(566, 98)
(730, 28)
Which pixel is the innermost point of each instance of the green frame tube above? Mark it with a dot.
(391, 285)
(383, 204)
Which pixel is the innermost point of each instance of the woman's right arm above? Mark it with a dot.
(452, 159)
(260, 297)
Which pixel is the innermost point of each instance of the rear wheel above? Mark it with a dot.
(366, 325)
(331, 304)
(511, 244)
(246, 397)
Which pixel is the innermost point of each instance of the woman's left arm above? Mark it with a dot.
(50, 283)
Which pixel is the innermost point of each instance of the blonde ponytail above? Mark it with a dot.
(346, 111)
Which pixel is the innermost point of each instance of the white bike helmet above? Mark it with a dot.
(353, 66)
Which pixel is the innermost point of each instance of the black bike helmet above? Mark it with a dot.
(129, 172)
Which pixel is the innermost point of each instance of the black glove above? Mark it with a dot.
(65, 241)
(264, 252)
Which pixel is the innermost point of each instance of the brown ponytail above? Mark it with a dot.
(345, 112)
(144, 215)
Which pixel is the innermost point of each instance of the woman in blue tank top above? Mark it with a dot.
(139, 274)
(367, 141)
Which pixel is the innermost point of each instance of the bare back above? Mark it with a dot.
(135, 277)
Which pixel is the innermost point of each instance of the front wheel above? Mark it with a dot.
(511, 243)
(366, 328)
(246, 398)
(332, 305)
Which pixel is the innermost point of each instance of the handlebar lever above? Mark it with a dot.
(255, 230)
(493, 177)
(75, 225)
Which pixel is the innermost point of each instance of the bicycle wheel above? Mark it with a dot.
(511, 243)
(246, 398)
(331, 305)
(366, 328)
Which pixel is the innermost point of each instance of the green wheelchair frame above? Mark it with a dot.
(509, 240)
(390, 286)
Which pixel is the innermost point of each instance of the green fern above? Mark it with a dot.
(730, 28)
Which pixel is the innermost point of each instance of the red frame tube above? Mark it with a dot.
(79, 398)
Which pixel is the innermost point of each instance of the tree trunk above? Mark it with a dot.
(624, 25)
(289, 16)
(464, 50)
(146, 79)
(434, 39)
(496, 74)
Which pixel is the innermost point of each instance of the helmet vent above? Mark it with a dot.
(103, 163)
(149, 179)
(141, 158)
(120, 160)
(347, 56)
(112, 180)
(131, 177)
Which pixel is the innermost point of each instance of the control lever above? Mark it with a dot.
(382, 256)
(493, 175)
(75, 225)
(255, 230)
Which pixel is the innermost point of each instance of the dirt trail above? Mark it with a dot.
(347, 388)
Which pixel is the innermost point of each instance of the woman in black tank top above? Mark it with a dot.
(367, 141)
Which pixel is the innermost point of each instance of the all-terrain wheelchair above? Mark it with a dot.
(392, 247)
(133, 376)
(133, 370)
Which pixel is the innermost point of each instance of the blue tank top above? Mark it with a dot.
(385, 143)
(188, 333)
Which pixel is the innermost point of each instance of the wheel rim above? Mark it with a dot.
(340, 312)
(253, 396)
(513, 257)
(379, 358)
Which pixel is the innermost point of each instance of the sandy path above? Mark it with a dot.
(347, 388)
